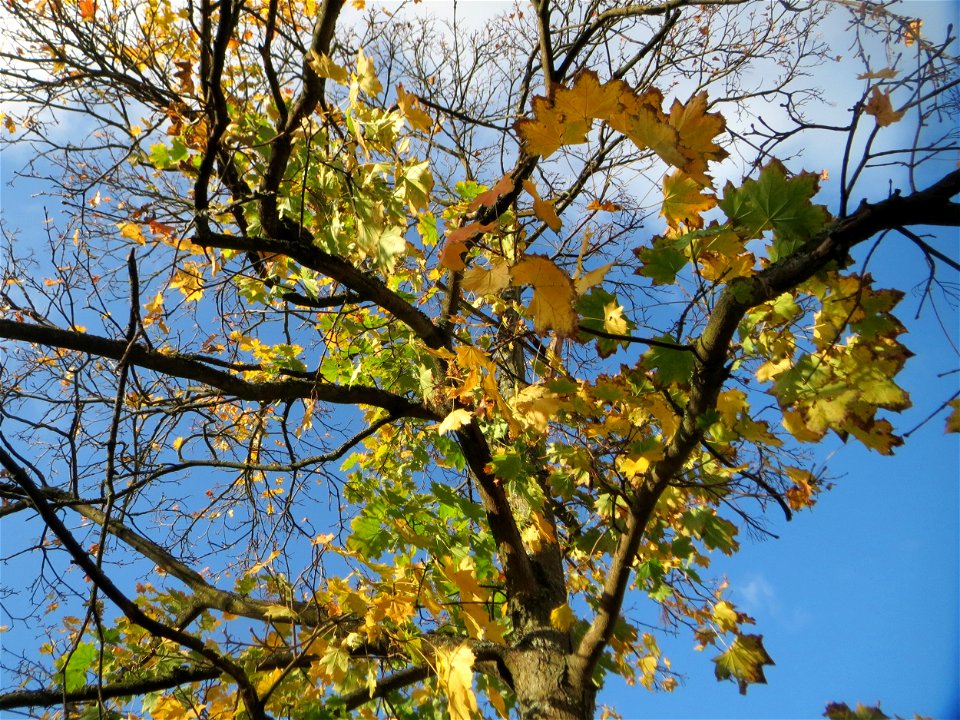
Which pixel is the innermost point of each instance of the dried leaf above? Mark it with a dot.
(881, 108)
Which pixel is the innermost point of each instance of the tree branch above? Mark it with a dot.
(190, 368)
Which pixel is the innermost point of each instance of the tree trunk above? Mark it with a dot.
(545, 686)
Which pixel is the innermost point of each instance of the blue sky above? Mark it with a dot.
(858, 600)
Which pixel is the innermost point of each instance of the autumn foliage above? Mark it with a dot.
(360, 382)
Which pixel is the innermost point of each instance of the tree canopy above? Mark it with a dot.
(377, 358)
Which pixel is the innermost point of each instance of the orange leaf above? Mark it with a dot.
(881, 108)
(553, 294)
(605, 205)
(88, 10)
(490, 197)
(410, 107)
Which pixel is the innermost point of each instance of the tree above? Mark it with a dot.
(354, 381)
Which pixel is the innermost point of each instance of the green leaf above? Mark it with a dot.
(660, 263)
(416, 183)
(590, 307)
(743, 662)
(776, 202)
(672, 366)
(80, 662)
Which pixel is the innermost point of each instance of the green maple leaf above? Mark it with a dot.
(661, 263)
(779, 203)
(743, 661)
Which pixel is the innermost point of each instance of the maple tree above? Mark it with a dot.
(355, 383)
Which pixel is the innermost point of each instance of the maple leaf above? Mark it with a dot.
(553, 294)
(604, 205)
(881, 108)
(489, 198)
(684, 200)
(911, 32)
(776, 202)
(542, 208)
(696, 129)
(562, 617)
(566, 116)
(454, 421)
(953, 420)
(484, 281)
(189, 280)
(410, 107)
(643, 121)
(743, 662)
(455, 676)
(884, 74)
(367, 75)
(842, 711)
(88, 10)
(325, 67)
(726, 618)
(132, 231)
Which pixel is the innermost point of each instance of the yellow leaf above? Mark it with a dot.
(279, 613)
(725, 616)
(644, 122)
(911, 33)
(189, 280)
(885, 74)
(261, 565)
(795, 425)
(613, 319)
(132, 231)
(684, 202)
(9, 124)
(410, 107)
(178, 443)
(535, 405)
(696, 129)
(562, 617)
(451, 256)
(487, 282)
(953, 420)
(359, 4)
(367, 75)
(553, 294)
(594, 277)
(454, 421)
(473, 600)
(881, 108)
(542, 208)
(455, 675)
(167, 707)
(325, 67)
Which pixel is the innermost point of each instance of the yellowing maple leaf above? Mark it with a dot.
(542, 208)
(953, 420)
(743, 661)
(488, 198)
(562, 617)
(884, 74)
(325, 67)
(553, 294)
(367, 75)
(189, 280)
(455, 675)
(684, 201)
(566, 116)
(725, 616)
(881, 108)
(483, 281)
(454, 421)
(451, 256)
(911, 33)
(696, 129)
(593, 277)
(535, 406)
(410, 107)
(604, 205)
(132, 231)
(613, 319)
(643, 121)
